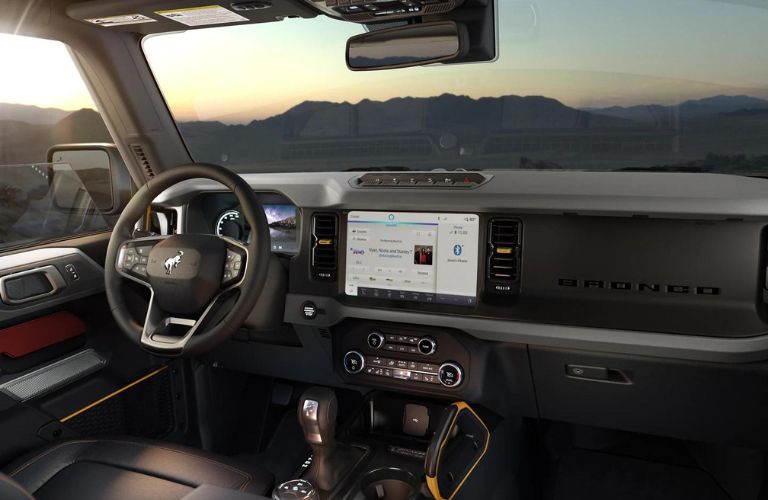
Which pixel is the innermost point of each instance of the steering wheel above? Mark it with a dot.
(202, 286)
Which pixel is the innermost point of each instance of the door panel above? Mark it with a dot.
(94, 380)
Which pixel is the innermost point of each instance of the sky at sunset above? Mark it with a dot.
(586, 53)
(40, 73)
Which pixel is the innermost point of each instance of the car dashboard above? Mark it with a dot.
(601, 287)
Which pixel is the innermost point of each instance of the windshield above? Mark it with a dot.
(592, 85)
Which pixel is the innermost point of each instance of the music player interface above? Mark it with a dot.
(424, 257)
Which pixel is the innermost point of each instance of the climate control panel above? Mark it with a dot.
(449, 374)
(417, 358)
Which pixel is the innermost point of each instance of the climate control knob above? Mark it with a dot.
(450, 375)
(353, 362)
(375, 340)
(427, 346)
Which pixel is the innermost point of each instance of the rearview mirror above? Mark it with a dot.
(407, 46)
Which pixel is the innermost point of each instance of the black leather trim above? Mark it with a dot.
(170, 463)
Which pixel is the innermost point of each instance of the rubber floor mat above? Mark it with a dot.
(587, 475)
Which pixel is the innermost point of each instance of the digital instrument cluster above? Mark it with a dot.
(282, 226)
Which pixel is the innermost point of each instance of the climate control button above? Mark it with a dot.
(353, 362)
(450, 375)
(375, 340)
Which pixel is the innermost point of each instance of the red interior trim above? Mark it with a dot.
(25, 338)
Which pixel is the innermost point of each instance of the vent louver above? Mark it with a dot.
(503, 273)
(142, 159)
(325, 239)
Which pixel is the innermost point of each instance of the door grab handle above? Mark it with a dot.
(51, 274)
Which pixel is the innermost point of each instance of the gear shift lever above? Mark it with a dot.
(317, 415)
(318, 408)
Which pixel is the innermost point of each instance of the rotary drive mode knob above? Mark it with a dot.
(354, 362)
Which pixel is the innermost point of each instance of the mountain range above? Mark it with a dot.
(33, 115)
(25, 142)
(412, 127)
(716, 105)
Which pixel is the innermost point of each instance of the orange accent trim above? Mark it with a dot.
(504, 250)
(113, 394)
(148, 218)
(432, 481)
(325, 242)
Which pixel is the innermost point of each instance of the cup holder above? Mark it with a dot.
(389, 484)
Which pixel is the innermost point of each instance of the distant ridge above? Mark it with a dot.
(695, 108)
(24, 142)
(33, 115)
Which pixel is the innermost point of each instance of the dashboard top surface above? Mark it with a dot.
(676, 195)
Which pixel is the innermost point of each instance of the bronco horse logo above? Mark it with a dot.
(173, 263)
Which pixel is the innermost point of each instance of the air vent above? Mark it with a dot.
(142, 159)
(503, 272)
(325, 239)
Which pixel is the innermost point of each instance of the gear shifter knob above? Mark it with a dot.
(317, 415)
(296, 489)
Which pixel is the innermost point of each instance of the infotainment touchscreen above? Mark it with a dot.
(423, 257)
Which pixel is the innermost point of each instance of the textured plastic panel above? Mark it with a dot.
(697, 401)
(53, 376)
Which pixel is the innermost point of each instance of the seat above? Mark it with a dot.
(106, 469)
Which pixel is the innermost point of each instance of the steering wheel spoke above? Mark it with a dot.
(165, 332)
(133, 258)
(234, 264)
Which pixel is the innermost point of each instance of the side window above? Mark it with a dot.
(47, 191)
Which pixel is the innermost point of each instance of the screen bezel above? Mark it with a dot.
(411, 304)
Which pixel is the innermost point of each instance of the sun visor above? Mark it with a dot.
(152, 16)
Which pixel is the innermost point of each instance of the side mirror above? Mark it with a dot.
(85, 178)
(407, 46)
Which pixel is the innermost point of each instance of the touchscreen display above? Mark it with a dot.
(421, 257)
